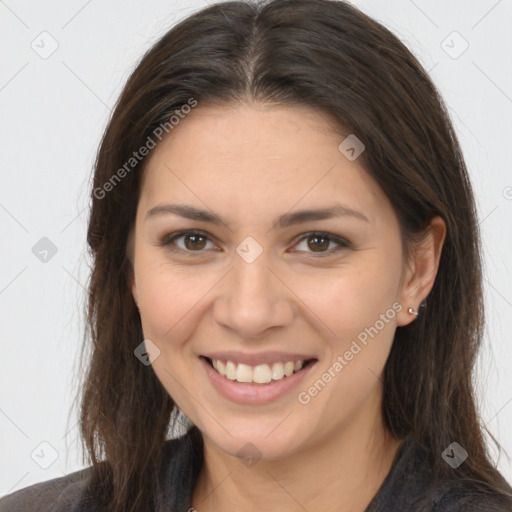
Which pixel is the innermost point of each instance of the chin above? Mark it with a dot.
(256, 441)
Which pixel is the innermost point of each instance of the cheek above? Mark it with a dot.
(172, 303)
(170, 300)
(360, 310)
(359, 305)
(351, 298)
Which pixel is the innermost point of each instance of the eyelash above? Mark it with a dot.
(168, 241)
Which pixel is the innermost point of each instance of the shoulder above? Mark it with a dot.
(71, 493)
(410, 486)
(64, 493)
(467, 498)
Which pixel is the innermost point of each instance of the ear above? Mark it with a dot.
(421, 270)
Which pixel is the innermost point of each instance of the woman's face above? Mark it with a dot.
(255, 295)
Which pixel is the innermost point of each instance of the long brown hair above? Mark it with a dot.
(329, 56)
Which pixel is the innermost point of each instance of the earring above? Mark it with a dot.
(412, 312)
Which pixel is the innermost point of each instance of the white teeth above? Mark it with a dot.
(261, 374)
(230, 370)
(244, 373)
(277, 371)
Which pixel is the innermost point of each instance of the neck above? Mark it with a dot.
(346, 468)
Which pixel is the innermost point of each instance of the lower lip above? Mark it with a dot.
(254, 394)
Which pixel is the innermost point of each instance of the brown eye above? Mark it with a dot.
(319, 243)
(188, 241)
(193, 242)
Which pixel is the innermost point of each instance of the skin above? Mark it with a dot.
(251, 163)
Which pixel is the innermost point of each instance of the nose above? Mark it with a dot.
(253, 298)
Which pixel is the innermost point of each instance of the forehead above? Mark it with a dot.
(258, 158)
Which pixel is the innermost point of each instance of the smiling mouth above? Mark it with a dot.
(260, 374)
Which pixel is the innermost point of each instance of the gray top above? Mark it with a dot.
(406, 488)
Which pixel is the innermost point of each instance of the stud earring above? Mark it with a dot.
(412, 312)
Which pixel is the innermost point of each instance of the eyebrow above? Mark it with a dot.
(284, 221)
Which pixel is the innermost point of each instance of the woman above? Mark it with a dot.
(286, 251)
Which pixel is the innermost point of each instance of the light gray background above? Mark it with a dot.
(53, 112)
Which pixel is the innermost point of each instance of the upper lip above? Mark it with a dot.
(269, 357)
